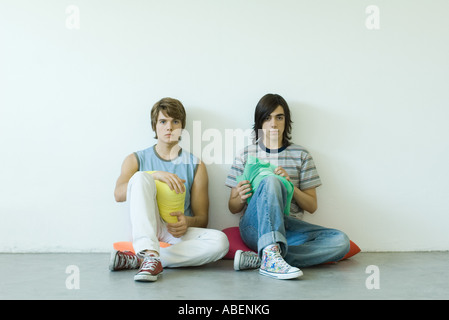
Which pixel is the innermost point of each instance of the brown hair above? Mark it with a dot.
(171, 108)
(267, 104)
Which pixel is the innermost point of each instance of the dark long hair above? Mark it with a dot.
(266, 105)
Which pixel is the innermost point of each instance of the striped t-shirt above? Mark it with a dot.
(296, 160)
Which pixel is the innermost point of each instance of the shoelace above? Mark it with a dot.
(275, 257)
(150, 263)
(281, 263)
(127, 259)
(251, 260)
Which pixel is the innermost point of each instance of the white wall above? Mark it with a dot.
(370, 105)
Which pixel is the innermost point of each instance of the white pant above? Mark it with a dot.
(196, 247)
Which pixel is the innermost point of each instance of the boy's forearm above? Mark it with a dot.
(305, 201)
(235, 203)
(197, 221)
(120, 192)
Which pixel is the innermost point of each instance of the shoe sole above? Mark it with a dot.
(237, 260)
(281, 276)
(112, 260)
(146, 277)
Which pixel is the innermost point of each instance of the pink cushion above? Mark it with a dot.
(235, 242)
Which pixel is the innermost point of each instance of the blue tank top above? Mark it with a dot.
(184, 166)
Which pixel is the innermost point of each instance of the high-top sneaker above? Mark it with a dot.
(274, 266)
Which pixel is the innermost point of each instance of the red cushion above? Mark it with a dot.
(235, 242)
(353, 250)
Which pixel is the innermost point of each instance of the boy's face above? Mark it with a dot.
(168, 129)
(274, 125)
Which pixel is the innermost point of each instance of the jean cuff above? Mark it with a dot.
(273, 237)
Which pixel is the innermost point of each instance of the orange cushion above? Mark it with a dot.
(128, 246)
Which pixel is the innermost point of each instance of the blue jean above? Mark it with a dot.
(302, 244)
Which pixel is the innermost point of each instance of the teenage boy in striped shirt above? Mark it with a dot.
(283, 243)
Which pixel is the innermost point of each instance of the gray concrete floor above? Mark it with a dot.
(405, 275)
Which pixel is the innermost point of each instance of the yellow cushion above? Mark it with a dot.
(168, 201)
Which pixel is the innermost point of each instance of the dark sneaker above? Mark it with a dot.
(121, 260)
(246, 260)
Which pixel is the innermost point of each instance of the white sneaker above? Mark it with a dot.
(274, 266)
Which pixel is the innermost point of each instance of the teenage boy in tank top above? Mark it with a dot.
(191, 244)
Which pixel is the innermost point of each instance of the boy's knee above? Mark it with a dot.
(271, 179)
(141, 177)
(221, 242)
(341, 241)
(271, 182)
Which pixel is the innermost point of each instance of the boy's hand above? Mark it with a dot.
(174, 182)
(178, 229)
(281, 172)
(244, 189)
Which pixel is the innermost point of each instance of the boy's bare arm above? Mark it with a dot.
(129, 167)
